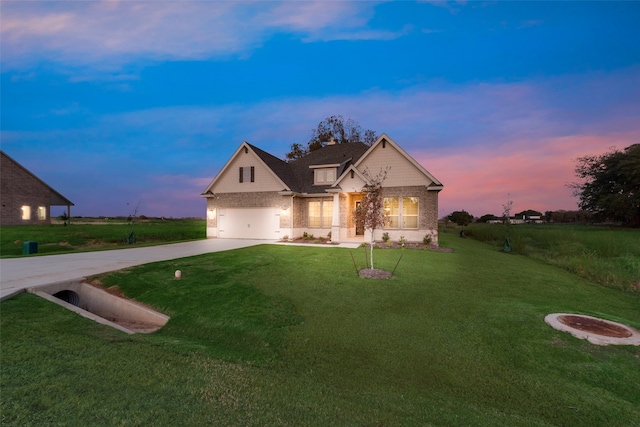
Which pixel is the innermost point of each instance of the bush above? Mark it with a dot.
(385, 237)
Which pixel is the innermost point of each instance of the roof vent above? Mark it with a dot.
(332, 141)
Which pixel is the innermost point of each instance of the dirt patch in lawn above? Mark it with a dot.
(595, 330)
(373, 273)
(595, 326)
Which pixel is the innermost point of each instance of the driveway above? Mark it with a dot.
(17, 274)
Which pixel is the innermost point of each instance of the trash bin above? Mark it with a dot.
(29, 247)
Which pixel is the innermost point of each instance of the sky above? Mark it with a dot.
(134, 106)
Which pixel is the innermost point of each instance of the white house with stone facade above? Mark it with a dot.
(258, 196)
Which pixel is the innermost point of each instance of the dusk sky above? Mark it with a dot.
(115, 103)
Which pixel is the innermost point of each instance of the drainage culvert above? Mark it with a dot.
(98, 305)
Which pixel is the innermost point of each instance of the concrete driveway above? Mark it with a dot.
(17, 274)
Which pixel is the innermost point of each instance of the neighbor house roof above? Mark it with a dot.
(57, 199)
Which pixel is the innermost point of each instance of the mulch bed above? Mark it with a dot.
(380, 245)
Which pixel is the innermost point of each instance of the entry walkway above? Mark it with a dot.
(17, 274)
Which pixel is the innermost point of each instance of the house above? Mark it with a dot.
(26, 199)
(256, 195)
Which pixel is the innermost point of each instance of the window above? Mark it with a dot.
(247, 174)
(320, 214)
(410, 212)
(392, 211)
(42, 213)
(324, 176)
(401, 212)
(26, 213)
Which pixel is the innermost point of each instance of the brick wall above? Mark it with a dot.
(19, 188)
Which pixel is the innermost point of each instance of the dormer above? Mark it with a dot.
(324, 174)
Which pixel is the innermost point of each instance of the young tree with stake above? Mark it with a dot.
(370, 214)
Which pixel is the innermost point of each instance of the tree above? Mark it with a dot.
(333, 127)
(611, 185)
(461, 217)
(370, 214)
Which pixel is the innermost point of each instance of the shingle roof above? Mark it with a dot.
(278, 166)
(341, 154)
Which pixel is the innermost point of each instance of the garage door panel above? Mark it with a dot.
(249, 223)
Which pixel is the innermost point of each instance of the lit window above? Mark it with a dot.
(314, 214)
(401, 212)
(392, 211)
(42, 213)
(26, 213)
(410, 212)
(320, 214)
(327, 213)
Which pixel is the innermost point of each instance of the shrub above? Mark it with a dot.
(385, 237)
(427, 239)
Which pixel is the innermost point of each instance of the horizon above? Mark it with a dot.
(115, 104)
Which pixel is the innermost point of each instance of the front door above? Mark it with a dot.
(359, 226)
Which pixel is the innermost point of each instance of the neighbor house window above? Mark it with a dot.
(320, 214)
(42, 213)
(401, 212)
(324, 176)
(247, 174)
(26, 213)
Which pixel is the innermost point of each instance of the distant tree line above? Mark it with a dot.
(464, 218)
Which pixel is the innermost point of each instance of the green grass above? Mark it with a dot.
(56, 238)
(610, 256)
(281, 335)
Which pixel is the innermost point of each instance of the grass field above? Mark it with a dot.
(87, 235)
(282, 335)
(607, 255)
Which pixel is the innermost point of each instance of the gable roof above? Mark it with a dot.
(298, 176)
(277, 167)
(384, 139)
(342, 155)
(57, 199)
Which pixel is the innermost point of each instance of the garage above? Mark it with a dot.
(249, 223)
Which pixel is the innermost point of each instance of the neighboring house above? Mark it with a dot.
(26, 199)
(259, 196)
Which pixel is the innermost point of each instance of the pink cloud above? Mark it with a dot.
(532, 173)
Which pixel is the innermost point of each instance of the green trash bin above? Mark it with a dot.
(29, 247)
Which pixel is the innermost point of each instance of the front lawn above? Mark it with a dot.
(283, 335)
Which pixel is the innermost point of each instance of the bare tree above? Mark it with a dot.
(370, 214)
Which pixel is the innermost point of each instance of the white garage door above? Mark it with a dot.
(249, 223)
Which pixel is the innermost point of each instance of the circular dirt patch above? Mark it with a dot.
(596, 331)
(595, 326)
(372, 273)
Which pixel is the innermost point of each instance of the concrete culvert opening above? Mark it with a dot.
(68, 296)
(97, 304)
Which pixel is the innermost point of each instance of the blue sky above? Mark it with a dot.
(118, 102)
